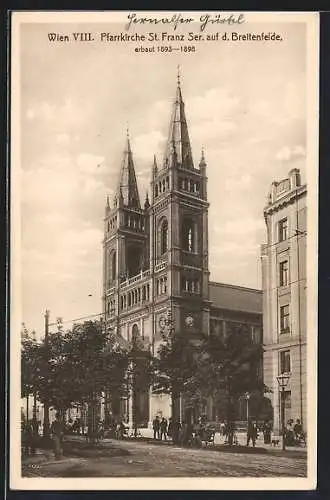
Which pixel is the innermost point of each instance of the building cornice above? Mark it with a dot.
(285, 200)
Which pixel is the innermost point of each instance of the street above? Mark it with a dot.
(142, 459)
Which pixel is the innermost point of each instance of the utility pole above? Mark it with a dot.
(46, 402)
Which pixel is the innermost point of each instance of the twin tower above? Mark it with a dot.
(156, 254)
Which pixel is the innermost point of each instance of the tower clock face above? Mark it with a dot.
(189, 321)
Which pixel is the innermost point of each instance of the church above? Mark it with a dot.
(156, 263)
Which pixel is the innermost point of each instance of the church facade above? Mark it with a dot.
(156, 261)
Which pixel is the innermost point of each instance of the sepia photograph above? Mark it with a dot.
(164, 201)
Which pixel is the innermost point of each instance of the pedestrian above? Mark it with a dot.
(289, 433)
(222, 428)
(57, 433)
(156, 427)
(170, 428)
(267, 431)
(251, 433)
(27, 438)
(297, 429)
(163, 428)
(176, 432)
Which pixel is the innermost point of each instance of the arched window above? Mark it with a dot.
(113, 266)
(164, 237)
(189, 235)
(135, 333)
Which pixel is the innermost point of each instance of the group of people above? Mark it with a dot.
(162, 428)
(30, 433)
(184, 433)
(293, 432)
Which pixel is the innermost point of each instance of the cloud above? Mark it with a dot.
(215, 128)
(30, 114)
(62, 138)
(240, 226)
(217, 102)
(90, 164)
(238, 184)
(68, 114)
(290, 153)
(145, 145)
(234, 250)
(283, 112)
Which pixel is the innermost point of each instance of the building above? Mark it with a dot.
(156, 259)
(284, 295)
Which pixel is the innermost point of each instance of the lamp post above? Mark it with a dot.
(247, 397)
(282, 381)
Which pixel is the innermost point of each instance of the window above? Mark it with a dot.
(189, 235)
(190, 239)
(135, 333)
(285, 362)
(284, 273)
(283, 229)
(164, 237)
(285, 319)
(113, 266)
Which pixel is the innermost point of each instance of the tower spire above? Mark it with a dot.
(127, 190)
(202, 162)
(178, 148)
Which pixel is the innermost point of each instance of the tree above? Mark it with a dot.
(174, 367)
(74, 367)
(82, 364)
(229, 366)
(31, 364)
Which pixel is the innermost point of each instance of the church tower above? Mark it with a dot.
(156, 256)
(126, 241)
(179, 229)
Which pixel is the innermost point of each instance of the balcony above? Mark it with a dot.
(160, 266)
(138, 277)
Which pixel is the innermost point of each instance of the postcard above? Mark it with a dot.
(164, 194)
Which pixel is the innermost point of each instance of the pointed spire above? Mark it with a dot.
(146, 203)
(127, 190)
(121, 198)
(154, 166)
(202, 162)
(178, 149)
(107, 206)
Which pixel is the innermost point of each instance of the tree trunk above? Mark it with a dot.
(27, 408)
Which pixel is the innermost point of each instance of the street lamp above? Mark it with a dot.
(283, 380)
(247, 397)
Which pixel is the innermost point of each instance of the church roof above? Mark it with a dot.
(235, 298)
(127, 190)
(178, 148)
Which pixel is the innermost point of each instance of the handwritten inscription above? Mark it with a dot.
(177, 20)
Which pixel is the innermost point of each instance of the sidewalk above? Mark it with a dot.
(241, 437)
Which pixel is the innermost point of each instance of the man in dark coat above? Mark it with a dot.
(156, 427)
(251, 433)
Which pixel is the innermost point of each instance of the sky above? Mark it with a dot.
(245, 105)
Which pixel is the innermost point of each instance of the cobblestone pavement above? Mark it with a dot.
(144, 459)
